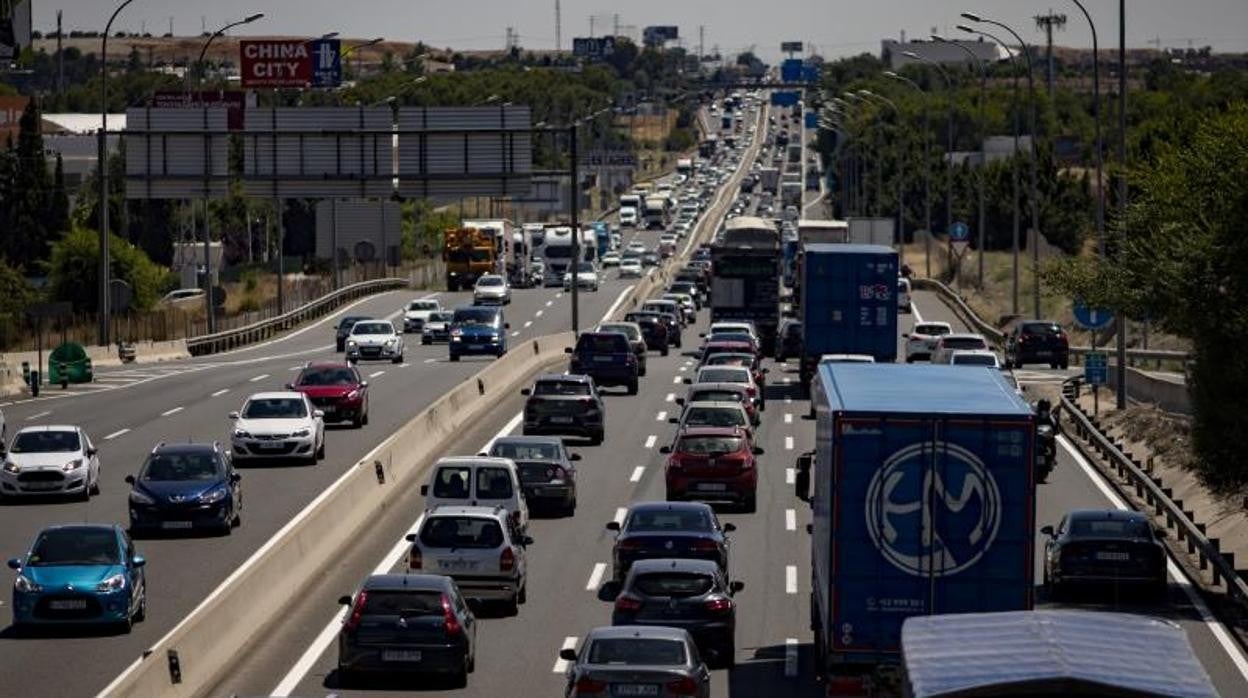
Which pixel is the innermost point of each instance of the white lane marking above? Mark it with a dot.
(788, 418)
(558, 294)
(170, 411)
(618, 299)
(595, 577)
(790, 476)
(561, 665)
(429, 361)
(549, 303)
(637, 473)
(660, 417)
(790, 519)
(785, 379)
(650, 440)
(528, 324)
(914, 310)
(294, 368)
(1229, 645)
(676, 380)
(790, 579)
(115, 434)
(330, 632)
(538, 313)
(620, 513)
(33, 417)
(515, 333)
(671, 397)
(221, 392)
(404, 365)
(374, 374)
(259, 378)
(682, 369)
(790, 657)
(788, 401)
(788, 443)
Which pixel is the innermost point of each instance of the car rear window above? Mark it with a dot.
(328, 376)
(674, 584)
(931, 330)
(637, 651)
(730, 360)
(963, 343)
(606, 342)
(461, 532)
(669, 520)
(710, 444)
(494, 483)
(626, 330)
(715, 417)
(723, 374)
(407, 604)
(451, 482)
(974, 360)
(557, 388)
(1108, 528)
(526, 451)
(1042, 329)
(731, 337)
(716, 396)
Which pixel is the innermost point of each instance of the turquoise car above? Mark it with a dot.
(79, 574)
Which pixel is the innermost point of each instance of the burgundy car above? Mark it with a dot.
(336, 389)
(713, 464)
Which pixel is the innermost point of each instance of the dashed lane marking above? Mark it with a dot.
(172, 410)
(637, 473)
(561, 665)
(115, 434)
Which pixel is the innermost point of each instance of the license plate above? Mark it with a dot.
(458, 565)
(635, 689)
(560, 420)
(712, 486)
(603, 359)
(70, 605)
(1043, 352)
(175, 524)
(272, 446)
(42, 485)
(1113, 557)
(476, 347)
(400, 655)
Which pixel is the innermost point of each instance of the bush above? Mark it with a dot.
(73, 271)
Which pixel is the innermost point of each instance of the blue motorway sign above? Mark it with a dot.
(1095, 368)
(812, 119)
(783, 99)
(959, 232)
(791, 70)
(326, 57)
(593, 47)
(1091, 318)
(811, 73)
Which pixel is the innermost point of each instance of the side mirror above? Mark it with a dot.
(609, 591)
(801, 484)
(1048, 531)
(665, 450)
(525, 540)
(138, 561)
(235, 477)
(526, 391)
(15, 563)
(290, 386)
(506, 325)
(318, 414)
(673, 420)
(574, 456)
(344, 600)
(567, 655)
(233, 415)
(757, 450)
(680, 401)
(410, 538)
(702, 335)
(363, 384)
(688, 381)
(613, 526)
(729, 528)
(129, 479)
(736, 587)
(567, 350)
(424, 490)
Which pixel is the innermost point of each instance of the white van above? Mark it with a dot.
(903, 294)
(477, 481)
(628, 217)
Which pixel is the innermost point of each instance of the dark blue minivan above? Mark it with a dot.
(477, 330)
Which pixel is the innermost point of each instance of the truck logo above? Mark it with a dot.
(933, 510)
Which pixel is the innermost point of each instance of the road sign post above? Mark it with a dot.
(1096, 374)
(959, 238)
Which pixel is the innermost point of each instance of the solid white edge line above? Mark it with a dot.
(561, 665)
(790, 519)
(637, 473)
(618, 299)
(790, 657)
(595, 577)
(790, 579)
(1216, 628)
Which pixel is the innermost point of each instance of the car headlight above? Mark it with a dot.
(113, 583)
(305, 431)
(137, 497)
(11, 467)
(214, 495)
(241, 434)
(72, 465)
(391, 342)
(351, 343)
(24, 585)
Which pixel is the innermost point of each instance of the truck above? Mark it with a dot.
(847, 302)
(602, 237)
(725, 122)
(923, 503)
(501, 232)
(684, 166)
(810, 231)
(769, 179)
(657, 212)
(746, 282)
(865, 230)
(468, 253)
(791, 191)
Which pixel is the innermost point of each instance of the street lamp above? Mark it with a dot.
(352, 49)
(1096, 117)
(901, 177)
(103, 164)
(199, 62)
(927, 170)
(871, 206)
(949, 137)
(983, 157)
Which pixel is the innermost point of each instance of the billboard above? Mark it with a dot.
(14, 28)
(791, 47)
(659, 35)
(233, 101)
(593, 47)
(451, 152)
(290, 62)
(11, 109)
(314, 152)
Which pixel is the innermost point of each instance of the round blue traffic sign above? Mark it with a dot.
(959, 232)
(1090, 318)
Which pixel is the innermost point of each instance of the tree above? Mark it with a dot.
(73, 271)
(28, 211)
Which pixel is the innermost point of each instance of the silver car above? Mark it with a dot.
(491, 289)
(50, 460)
(636, 660)
(374, 339)
(478, 547)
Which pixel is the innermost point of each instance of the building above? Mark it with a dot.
(74, 137)
(893, 52)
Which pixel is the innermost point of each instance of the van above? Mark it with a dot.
(477, 481)
(903, 295)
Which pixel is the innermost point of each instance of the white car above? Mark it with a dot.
(723, 327)
(475, 546)
(972, 357)
(636, 246)
(630, 267)
(586, 277)
(278, 425)
(417, 312)
(903, 295)
(47, 460)
(611, 259)
(628, 217)
(477, 481)
(921, 341)
(946, 345)
(374, 339)
(491, 289)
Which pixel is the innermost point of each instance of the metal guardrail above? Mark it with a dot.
(1157, 497)
(258, 331)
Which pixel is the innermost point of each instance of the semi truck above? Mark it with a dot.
(746, 283)
(847, 300)
(923, 503)
(791, 191)
(657, 212)
(809, 232)
(684, 166)
(468, 253)
(510, 260)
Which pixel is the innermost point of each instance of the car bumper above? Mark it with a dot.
(340, 411)
(173, 518)
(277, 448)
(413, 324)
(584, 424)
(42, 483)
(474, 346)
(539, 496)
(489, 300)
(366, 353)
(434, 659)
(487, 588)
(36, 608)
(608, 378)
(713, 489)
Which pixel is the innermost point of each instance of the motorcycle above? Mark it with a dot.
(1046, 441)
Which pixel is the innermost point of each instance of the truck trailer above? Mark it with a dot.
(746, 282)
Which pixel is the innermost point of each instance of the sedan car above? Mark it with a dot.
(80, 574)
(713, 463)
(374, 339)
(690, 594)
(1107, 547)
(343, 330)
(184, 487)
(723, 392)
(491, 289)
(337, 390)
(278, 425)
(630, 267)
(668, 529)
(47, 460)
(636, 660)
(417, 313)
(563, 403)
(947, 344)
(740, 375)
(407, 623)
(547, 474)
(921, 341)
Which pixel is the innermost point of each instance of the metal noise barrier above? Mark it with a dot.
(1206, 550)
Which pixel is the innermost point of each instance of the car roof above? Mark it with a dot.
(563, 378)
(474, 460)
(327, 364)
(714, 404)
(1106, 515)
(276, 395)
(185, 448)
(734, 387)
(671, 506)
(743, 369)
(964, 335)
(464, 510)
(662, 564)
(528, 440)
(641, 632)
(48, 427)
(407, 582)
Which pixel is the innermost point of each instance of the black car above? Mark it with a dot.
(1037, 342)
(690, 288)
(650, 258)
(564, 404)
(607, 357)
(654, 329)
(547, 475)
(1105, 547)
(184, 487)
(681, 593)
(344, 330)
(407, 623)
(789, 340)
(669, 530)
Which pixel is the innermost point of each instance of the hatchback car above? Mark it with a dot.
(1107, 548)
(668, 529)
(477, 547)
(715, 464)
(278, 425)
(80, 574)
(182, 487)
(343, 330)
(407, 623)
(547, 474)
(686, 303)
(476, 331)
(437, 328)
(637, 660)
(653, 330)
(337, 390)
(1040, 342)
(374, 339)
(417, 313)
(586, 277)
(690, 594)
(607, 357)
(630, 267)
(491, 289)
(611, 259)
(689, 288)
(730, 374)
(921, 341)
(966, 357)
(947, 344)
(789, 340)
(564, 403)
(635, 339)
(703, 413)
(723, 392)
(659, 305)
(477, 481)
(50, 460)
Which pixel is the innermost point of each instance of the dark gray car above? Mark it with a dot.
(547, 474)
(635, 339)
(564, 404)
(637, 660)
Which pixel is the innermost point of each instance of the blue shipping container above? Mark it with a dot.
(849, 300)
(923, 502)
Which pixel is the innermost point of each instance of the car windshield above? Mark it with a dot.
(669, 520)
(340, 375)
(1041, 329)
(75, 546)
(730, 337)
(1108, 528)
(461, 532)
(494, 483)
(630, 262)
(637, 652)
(526, 451)
(730, 360)
(724, 374)
(963, 343)
(673, 584)
(372, 328)
(558, 251)
(406, 604)
(604, 342)
(474, 316)
(275, 408)
(714, 417)
(179, 467)
(709, 444)
(490, 281)
(931, 330)
(45, 442)
(974, 360)
(560, 388)
(422, 305)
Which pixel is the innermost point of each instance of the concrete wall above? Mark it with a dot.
(1170, 394)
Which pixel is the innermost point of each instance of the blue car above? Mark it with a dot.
(185, 487)
(478, 330)
(80, 574)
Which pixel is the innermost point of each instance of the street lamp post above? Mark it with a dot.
(1096, 117)
(983, 164)
(927, 170)
(949, 137)
(199, 62)
(103, 303)
(901, 177)
(348, 51)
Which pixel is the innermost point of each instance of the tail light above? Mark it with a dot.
(557, 473)
(628, 545)
(1022, 339)
(586, 402)
(720, 605)
(357, 611)
(1061, 338)
(449, 618)
(507, 560)
(628, 603)
(415, 560)
(704, 546)
(584, 685)
(683, 687)
(749, 390)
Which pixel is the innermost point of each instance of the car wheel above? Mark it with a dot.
(358, 421)
(95, 486)
(85, 495)
(141, 614)
(454, 357)
(632, 387)
(751, 504)
(340, 346)
(125, 626)
(642, 371)
(425, 341)
(523, 596)
(663, 351)
(598, 437)
(728, 655)
(1065, 365)
(397, 360)
(511, 607)
(320, 450)
(365, 419)
(460, 678)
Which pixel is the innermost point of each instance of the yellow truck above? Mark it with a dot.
(468, 253)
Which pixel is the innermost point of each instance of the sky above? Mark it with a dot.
(834, 27)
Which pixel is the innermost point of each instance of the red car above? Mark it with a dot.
(336, 389)
(713, 464)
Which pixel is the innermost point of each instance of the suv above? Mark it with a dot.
(1040, 342)
(922, 339)
(335, 389)
(183, 487)
(635, 339)
(789, 340)
(947, 344)
(546, 470)
(477, 547)
(478, 330)
(606, 357)
(653, 330)
(713, 463)
(564, 404)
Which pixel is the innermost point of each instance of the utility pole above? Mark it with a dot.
(615, 24)
(1122, 188)
(591, 26)
(558, 27)
(60, 56)
(1047, 23)
(701, 42)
